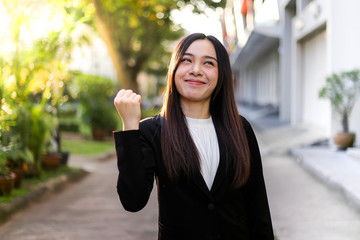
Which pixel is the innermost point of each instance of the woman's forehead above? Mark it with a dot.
(201, 47)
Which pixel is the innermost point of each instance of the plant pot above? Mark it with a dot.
(51, 161)
(20, 173)
(7, 184)
(64, 158)
(99, 134)
(344, 140)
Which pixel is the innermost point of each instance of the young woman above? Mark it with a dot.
(203, 155)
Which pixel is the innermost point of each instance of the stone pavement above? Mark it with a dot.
(313, 189)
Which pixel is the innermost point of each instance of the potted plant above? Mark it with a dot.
(95, 94)
(18, 159)
(7, 178)
(342, 90)
(33, 126)
(43, 148)
(102, 120)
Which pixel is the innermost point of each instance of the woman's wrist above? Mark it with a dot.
(130, 126)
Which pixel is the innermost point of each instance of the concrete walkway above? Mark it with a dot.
(87, 210)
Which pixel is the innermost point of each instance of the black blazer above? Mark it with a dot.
(187, 209)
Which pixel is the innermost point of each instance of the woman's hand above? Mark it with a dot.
(127, 104)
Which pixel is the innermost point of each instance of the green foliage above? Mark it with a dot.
(4, 170)
(102, 116)
(91, 88)
(95, 95)
(36, 78)
(142, 30)
(16, 155)
(33, 132)
(342, 90)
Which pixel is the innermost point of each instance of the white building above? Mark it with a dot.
(282, 51)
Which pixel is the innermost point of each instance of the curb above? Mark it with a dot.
(352, 197)
(53, 185)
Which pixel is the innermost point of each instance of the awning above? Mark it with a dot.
(261, 39)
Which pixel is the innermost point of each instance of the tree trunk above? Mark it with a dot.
(123, 75)
(345, 122)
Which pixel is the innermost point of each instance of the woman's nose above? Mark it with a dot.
(196, 69)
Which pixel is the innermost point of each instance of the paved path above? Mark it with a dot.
(302, 208)
(87, 210)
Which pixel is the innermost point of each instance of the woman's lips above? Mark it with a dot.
(194, 82)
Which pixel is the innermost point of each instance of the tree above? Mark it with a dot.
(137, 33)
(33, 77)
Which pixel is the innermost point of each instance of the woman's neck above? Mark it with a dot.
(200, 110)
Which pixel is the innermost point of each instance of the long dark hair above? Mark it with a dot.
(180, 155)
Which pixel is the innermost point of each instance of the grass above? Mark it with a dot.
(86, 147)
(29, 183)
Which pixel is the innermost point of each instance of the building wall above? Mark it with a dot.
(316, 111)
(317, 38)
(344, 49)
(266, 80)
(258, 83)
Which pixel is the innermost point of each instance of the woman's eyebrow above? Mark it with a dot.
(206, 56)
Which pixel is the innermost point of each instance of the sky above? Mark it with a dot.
(208, 23)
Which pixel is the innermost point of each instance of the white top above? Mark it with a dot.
(204, 136)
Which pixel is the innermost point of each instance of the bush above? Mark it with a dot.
(102, 116)
(95, 94)
(92, 88)
(69, 126)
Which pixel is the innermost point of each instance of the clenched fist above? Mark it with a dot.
(127, 104)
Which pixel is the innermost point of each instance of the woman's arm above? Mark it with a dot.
(256, 197)
(136, 164)
(135, 158)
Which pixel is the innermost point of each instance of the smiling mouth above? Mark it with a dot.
(195, 82)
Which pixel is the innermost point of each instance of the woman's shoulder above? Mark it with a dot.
(247, 127)
(245, 122)
(150, 124)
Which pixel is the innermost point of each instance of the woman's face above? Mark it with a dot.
(197, 74)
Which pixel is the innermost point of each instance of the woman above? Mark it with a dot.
(203, 155)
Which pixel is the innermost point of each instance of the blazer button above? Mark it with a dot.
(211, 206)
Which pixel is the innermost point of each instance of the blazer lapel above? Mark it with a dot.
(200, 183)
(221, 172)
(220, 176)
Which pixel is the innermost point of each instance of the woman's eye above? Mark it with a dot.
(210, 63)
(185, 60)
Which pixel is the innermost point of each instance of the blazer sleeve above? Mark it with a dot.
(136, 164)
(256, 197)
